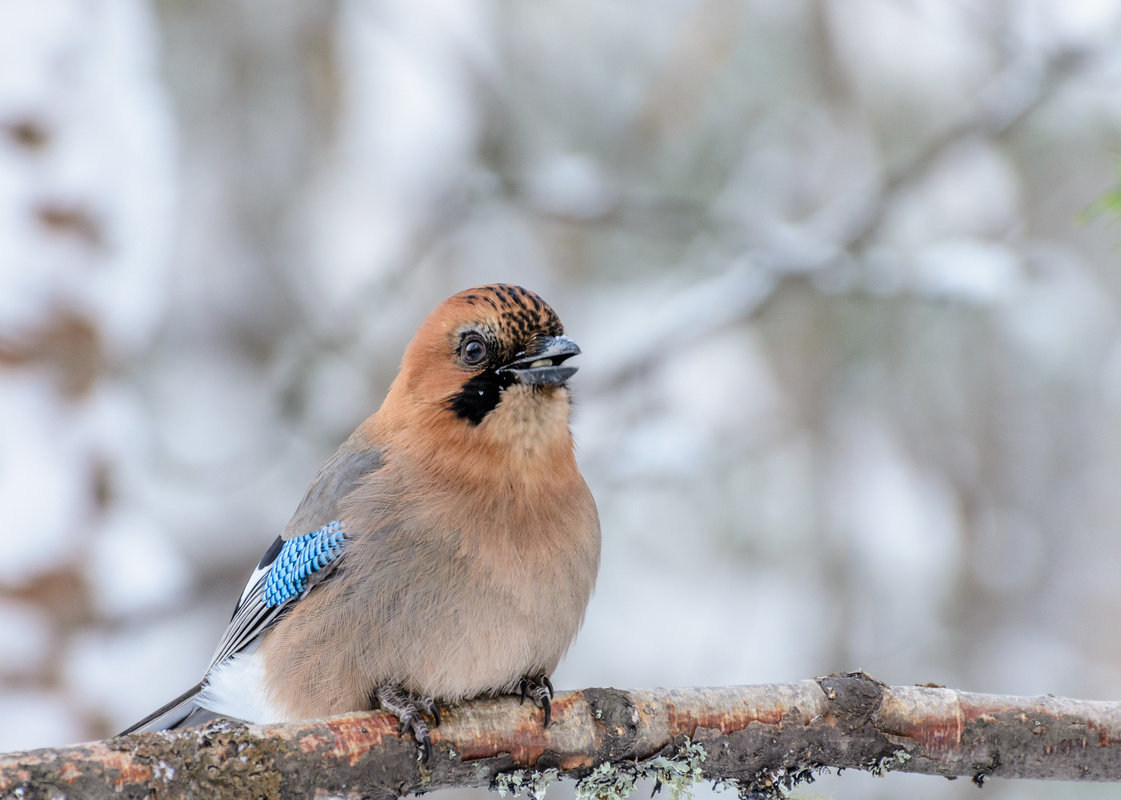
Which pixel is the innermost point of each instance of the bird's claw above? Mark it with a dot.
(431, 709)
(539, 689)
(407, 707)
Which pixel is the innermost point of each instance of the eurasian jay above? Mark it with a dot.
(446, 550)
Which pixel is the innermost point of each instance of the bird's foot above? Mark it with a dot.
(407, 707)
(539, 689)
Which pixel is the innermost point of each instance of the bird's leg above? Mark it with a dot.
(539, 689)
(407, 707)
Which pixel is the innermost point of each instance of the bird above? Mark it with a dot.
(447, 550)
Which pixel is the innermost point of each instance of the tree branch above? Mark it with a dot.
(760, 739)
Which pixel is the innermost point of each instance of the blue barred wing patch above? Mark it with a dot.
(299, 558)
(289, 567)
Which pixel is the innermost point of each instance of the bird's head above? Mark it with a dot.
(489, 364)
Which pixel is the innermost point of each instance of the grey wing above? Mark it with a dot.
(338, 477)
(288, 571)
(354, 460)
(252, 614)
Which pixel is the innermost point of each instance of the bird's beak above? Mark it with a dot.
(542, 366)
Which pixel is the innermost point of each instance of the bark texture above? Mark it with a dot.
(763, 738)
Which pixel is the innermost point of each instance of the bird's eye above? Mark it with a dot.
(473, 352)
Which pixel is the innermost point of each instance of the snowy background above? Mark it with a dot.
(851, 387)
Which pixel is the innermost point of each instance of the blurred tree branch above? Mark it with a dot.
(757, 739)
(1023, 86)
(1026, 82)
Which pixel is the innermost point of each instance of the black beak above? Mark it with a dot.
(541, 365)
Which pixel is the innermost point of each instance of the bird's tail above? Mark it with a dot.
(182, 712)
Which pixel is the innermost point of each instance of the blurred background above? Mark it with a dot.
(845, 276)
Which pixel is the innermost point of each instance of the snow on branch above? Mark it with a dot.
(758, 740)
